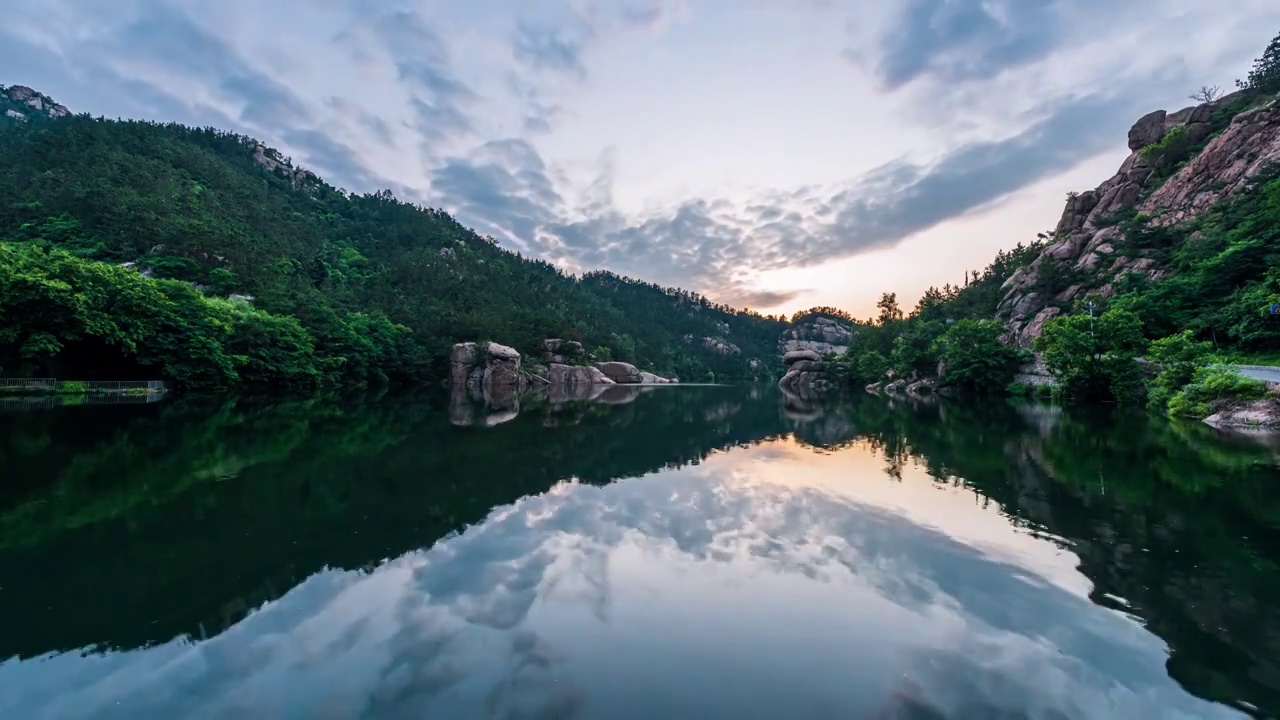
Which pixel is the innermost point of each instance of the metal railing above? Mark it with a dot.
(29, 384)
(52, 385)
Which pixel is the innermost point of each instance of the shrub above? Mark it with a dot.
(1212, 385)
(73, 387)
(1179, 356)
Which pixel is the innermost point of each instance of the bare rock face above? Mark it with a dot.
(627, 374)
(485, 382)
(1221, 170)
(822, 335)
(1086, 237)
(924, 386)
(1035, 374)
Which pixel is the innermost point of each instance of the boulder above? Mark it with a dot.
(1148, 129)
(895, 387)
(560, 375)
(620, 372)
(873, 388)
(796, 356)
(1261, 414)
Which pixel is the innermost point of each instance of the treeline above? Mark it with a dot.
(316, 270)
(949, 329)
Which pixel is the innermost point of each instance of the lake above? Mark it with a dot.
(671, 552)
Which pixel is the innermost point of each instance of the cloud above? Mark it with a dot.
(552, 48)
(748, 298)
(338, 160)
(719, 246)
(502, 188)
(421, 60)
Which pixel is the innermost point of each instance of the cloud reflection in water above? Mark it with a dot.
(704, 591)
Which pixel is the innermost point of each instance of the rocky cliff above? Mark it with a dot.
(1180, 164)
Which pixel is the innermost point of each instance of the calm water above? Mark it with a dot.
(677, 553)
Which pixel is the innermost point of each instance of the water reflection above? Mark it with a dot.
(921, 563)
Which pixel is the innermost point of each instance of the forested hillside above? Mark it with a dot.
(137, 249)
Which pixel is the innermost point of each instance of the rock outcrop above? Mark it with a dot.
(555, 350)
(720, 346)
(272, 160)
(1087, 237)
(27, 103)
(823, 336)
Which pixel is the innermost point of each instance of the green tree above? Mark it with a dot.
(976, 360)
(871, 366)
(1265, 75)
(889, 310)
(1095, 358)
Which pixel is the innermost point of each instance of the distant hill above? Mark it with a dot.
(299, 259)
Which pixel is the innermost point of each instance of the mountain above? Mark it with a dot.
(134, 249)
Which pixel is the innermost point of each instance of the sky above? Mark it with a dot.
(772, 155)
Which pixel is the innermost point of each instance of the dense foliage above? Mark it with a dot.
(1225, 273)
(337, 286)
(974, 358)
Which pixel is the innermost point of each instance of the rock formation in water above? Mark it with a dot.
(806, 372)
(1088, 241)
(822, 335)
